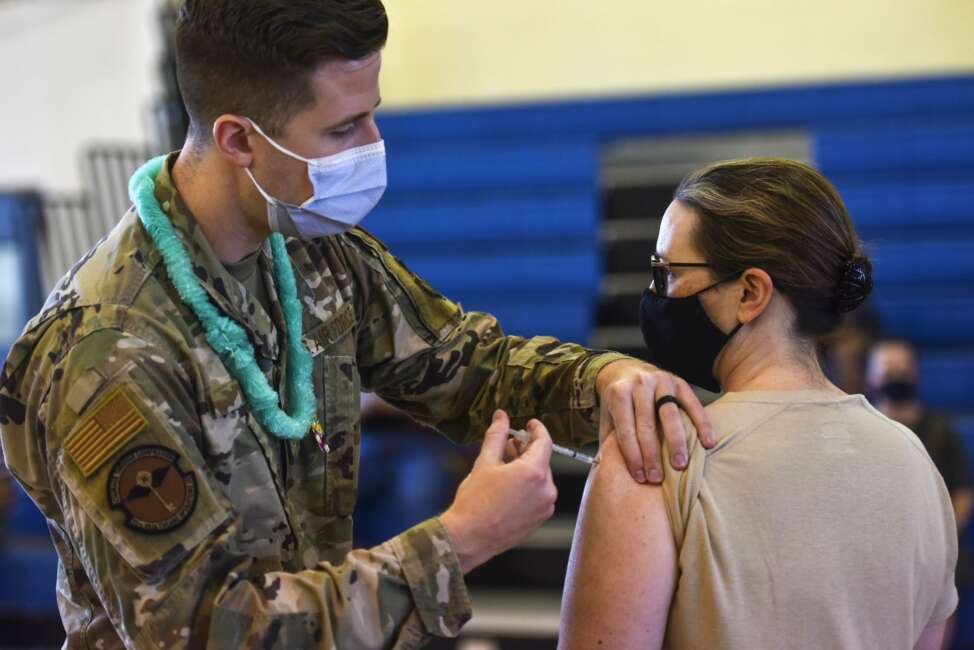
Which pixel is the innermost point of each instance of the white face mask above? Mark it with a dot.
(346, 186)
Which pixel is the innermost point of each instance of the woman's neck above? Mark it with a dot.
(770, 361)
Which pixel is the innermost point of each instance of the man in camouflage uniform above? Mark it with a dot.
(179, 520)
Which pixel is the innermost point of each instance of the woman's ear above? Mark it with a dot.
(758, 291)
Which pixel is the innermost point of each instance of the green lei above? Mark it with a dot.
(227, 338)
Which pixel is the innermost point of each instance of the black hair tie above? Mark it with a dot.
(855, 284)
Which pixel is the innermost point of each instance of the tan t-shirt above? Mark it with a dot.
(816, 522)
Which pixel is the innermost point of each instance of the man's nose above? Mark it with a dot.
(372, 130)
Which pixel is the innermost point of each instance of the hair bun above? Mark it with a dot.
(855, 284)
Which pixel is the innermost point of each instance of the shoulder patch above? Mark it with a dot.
(147, 484)
(110, 425)
(83, 389)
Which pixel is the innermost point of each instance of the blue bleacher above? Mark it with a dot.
(919, 206)
(498, 207)
(501, 216)
(510, 227)
(822, 106)
(922, 265)
(898, 147)
(929, 318)
(910, 189)
(945, 373)
(477, 165)
(29, 569)
(27, 560)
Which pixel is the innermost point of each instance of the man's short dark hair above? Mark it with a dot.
(255, 57)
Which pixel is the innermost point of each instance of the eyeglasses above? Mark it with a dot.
(661, 270)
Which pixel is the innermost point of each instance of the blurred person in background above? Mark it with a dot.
(816, 521)
(844, 351)
(893, 378)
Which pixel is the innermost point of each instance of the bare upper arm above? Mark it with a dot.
(622, 569)
(932, 637)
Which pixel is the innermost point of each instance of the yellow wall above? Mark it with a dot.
(450, 51)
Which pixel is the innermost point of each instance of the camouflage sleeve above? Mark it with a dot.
(156, 536)
(451, 369)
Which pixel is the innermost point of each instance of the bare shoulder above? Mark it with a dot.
(611, 476)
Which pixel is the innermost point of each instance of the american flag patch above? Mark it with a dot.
(110, 425)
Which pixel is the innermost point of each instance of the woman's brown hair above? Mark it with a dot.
(784, 217)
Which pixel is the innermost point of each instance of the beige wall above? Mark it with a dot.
(75, 71)
(449, 51)
(71, 73)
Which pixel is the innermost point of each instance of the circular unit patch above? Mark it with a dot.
(147, 484)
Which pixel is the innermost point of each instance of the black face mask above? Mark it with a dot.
(681, 338)
(898, 391)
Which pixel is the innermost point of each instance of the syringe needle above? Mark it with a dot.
(525, 437)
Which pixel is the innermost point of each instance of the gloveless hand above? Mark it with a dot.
(499, 504)
(628, 390)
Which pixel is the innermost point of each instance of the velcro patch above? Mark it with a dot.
(109, 426)
(155, 494)
(320, 337)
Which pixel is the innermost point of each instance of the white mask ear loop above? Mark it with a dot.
(267, 197)
(272, 220)
(274, 144)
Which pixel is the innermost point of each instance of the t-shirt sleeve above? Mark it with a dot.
(680, 488)
(947, 602)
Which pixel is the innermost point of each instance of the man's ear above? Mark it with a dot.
(231, 136)
(758, 292)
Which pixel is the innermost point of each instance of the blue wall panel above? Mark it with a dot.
(898, 148)
(902, 205)
(477, 192)
(923, 265)
(19, 218)
(463, 165)
(945, 379)
(20, 214)
(801, 106)
(29, 578)
(561, 272)
(467, 218)
(925, 319)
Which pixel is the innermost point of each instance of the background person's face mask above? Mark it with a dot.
(681, 338)
(346, 186)
(898, 391)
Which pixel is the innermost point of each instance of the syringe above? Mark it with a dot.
(525, 437)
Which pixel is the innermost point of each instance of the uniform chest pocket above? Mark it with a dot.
(339, 386)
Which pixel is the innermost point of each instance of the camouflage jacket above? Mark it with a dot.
(178, 520)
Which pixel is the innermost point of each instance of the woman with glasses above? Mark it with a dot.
(815, 521)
